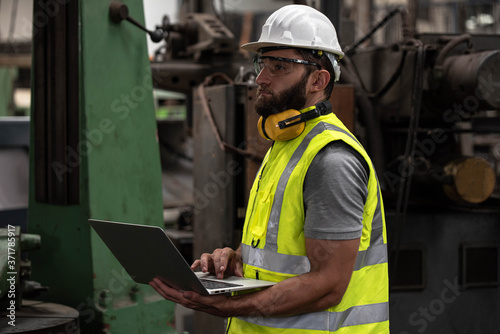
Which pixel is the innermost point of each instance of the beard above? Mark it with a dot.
(291, 98)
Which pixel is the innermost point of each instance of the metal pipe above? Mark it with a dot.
(454, 41)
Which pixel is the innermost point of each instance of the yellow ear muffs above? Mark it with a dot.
(290, 123)
(283, 126)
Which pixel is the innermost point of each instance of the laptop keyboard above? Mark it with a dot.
(217, 285)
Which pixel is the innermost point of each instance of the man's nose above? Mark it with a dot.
(263, 77)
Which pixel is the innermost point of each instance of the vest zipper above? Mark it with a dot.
(254, 199)
(257, 190)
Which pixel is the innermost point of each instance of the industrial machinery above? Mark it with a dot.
(20, 313)
(429, 107)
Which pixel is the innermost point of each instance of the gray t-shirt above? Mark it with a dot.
(335, 192)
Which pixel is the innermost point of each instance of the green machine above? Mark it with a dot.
(93, 155)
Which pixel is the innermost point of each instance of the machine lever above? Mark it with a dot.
(119, 12)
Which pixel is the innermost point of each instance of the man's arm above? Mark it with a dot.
(332, 263)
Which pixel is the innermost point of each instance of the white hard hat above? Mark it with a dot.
(298, 26)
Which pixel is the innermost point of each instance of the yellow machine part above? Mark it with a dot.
(473, 180)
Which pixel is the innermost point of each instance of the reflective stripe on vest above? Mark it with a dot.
(328, 321)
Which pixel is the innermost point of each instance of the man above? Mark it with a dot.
(315, 220)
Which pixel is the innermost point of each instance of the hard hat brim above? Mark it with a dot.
(256, 46)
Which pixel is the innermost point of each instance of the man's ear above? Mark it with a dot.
(320, 80)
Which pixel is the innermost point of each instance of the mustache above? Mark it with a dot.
(263, 90)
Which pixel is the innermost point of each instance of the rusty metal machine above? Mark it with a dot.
(429, 112)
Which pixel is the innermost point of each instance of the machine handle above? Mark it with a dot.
(119, 12)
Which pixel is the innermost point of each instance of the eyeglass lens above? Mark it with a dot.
(275, 67)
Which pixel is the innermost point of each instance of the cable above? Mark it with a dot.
(453, 42)
(351, 49)
(0, 12)
(392, 80)
(404, 189)
(374, 142)
(13, 20)
(206, 109)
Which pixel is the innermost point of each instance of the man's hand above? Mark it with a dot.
(211, 304)
(223, 261)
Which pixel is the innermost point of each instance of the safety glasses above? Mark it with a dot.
(277, 65)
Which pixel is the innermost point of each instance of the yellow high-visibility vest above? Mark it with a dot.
(273, 242)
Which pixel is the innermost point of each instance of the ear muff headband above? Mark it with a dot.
(290, 123)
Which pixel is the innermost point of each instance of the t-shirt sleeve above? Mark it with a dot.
(335, 192)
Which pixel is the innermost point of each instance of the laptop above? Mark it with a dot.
(147, 252)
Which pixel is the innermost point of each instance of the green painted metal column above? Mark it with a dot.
(116, 159)
(7, 77)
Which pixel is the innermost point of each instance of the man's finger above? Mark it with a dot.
(221, 262)
(196, 264)
(216, 255)
(157, 286)
(166, 291)
(206, 262)
(238, 270)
